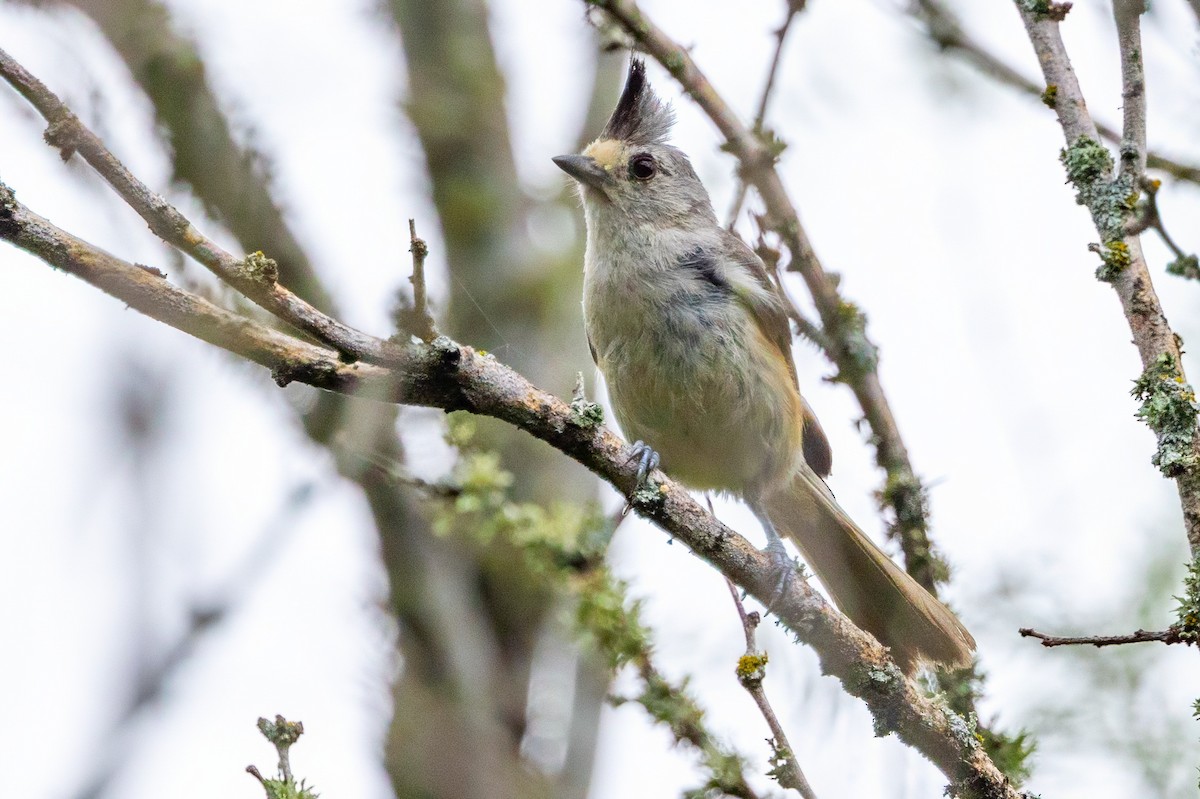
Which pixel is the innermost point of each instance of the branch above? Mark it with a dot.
(1168, 402)
(948, 34)
(844, 326)
(1171, 635)
(254, 277)
(751, 671)
(794, 7)
(1128, 14)
(446, 375)
(232, 180)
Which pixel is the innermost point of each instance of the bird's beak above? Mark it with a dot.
(585, 169)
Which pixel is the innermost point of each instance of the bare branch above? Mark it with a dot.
(1128, 15)
(421, 321)
(1171, 635)
(751, 671)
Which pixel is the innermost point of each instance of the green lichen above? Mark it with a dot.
(584, 413)
(1086, 160)
(1185, 266)
(781, 760)
(1045, 9)
(1187, 615)
(1050, 96)
(961, 690)
(858, 355)
(905, 497)
(1169, 409)
(1089, 167)
(608, 621)
(283, 734)
(260, 268)
(1115, 259)
(751, 668)
(648, 497)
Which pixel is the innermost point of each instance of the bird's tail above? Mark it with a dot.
(865, 583)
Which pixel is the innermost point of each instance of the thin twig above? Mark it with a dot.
(425, 329)
(945, 31)
(1149, 217)
(1128, 14)
(760, 116)
(1171, 635)
(751, 671)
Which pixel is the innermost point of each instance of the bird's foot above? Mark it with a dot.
(647, 460)
(782, 567)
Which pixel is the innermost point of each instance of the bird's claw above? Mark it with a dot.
(783, 565)
(647, 460)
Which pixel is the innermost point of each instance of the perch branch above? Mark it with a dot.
(446, 375)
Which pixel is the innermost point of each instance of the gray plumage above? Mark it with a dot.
(694, 342)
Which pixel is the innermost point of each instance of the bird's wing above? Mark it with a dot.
(761, 297)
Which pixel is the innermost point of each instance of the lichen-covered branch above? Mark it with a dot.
(452, 377)
(1168, 401)
(751, 671)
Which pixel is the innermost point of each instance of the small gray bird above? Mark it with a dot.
(695, 345)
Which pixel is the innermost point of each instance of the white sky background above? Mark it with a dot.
(937, 196)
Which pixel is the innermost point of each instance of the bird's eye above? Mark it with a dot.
(643, 167)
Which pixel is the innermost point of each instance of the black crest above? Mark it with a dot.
(640, 117)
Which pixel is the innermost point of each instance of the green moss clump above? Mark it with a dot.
(1050, 96)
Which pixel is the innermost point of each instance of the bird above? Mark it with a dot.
(694, 342)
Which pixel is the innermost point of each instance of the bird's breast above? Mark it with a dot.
(690, 373)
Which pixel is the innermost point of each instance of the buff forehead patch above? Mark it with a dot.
(608, 153)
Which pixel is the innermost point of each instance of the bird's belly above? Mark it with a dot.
(715, 400)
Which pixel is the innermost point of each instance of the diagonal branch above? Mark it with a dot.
(452, 377)
(256, 278)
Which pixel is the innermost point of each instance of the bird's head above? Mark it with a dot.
(630, 172)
